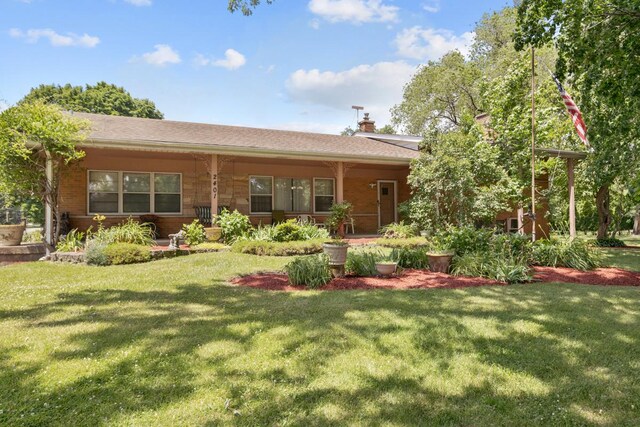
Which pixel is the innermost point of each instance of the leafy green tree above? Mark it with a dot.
(245, 6)
(348, 131)
(598, 45)
(439, 96)
(386, 129)
(459, 182)
(101, 98)
(30, 134)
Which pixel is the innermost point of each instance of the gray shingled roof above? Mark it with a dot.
(124, 132)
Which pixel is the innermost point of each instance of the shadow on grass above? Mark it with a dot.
(530, 354)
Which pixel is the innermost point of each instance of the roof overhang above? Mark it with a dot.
(185, 147)
(563, 154)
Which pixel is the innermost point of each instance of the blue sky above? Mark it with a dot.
(296, 64)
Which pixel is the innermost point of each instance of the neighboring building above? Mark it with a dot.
(137, 167)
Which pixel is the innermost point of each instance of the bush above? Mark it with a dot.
(256, 247)
(491, 266)
(312, 232)
(72, 242)
(34, 236)
(463, 239)
(340, 212)
(412, 242)
(398, 231)
(129, 231)
(407, 257)
(572, 254)
(209, 247)
(234, 225)
(513, 246)
(95, 253)
(127, 253)
(312, 271)
(194, 233)
(610, 242)
(287, 231)
(361, 264)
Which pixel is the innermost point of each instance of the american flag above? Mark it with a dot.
(574, 112)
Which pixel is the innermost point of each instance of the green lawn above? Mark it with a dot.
(170, 343)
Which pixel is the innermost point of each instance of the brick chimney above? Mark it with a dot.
(366, 124)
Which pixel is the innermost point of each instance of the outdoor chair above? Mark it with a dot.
(204, 215)
(306, 219)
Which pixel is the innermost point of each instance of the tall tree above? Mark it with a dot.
(101, 98)
(245, 6)
(31, 135)
(598, 43)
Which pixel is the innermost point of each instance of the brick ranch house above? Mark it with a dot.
(135, 167)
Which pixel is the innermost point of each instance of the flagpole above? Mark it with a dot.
(533, 145)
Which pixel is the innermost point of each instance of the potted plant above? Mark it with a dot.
(336, 251)
(11, 234)
(440, 255)
(386, 266)
(340, 213)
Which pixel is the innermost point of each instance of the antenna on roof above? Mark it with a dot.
(358, 109)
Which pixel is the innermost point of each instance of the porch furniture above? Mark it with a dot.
(204, 215)
(306, 219)
(350, 222)
(277, 216)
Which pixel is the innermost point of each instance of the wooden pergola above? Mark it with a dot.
(572, 157)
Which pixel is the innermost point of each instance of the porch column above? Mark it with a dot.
(340, 182)
(520, 220)
(214, 184)
(48, 209)
(572, 199)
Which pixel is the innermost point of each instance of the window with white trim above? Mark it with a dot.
(261, 194)
(112, 192)
(323, 193)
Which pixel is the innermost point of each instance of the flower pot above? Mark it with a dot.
(11, 235)
(440, 262)
(386, 268)
(337, 253)
(213, 233)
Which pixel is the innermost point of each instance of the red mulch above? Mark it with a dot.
(600, 276)
(421, 279)
(409, 279)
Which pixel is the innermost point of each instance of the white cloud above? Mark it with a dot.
(58, 40)
(430, 43)
(139, 2)
(315, 24)
(232, 60)
(432, 6)
(354, 11)
(377, 87)
(163, 55)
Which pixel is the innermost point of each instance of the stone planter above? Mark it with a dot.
(337, 257)
(213, 233)
(11, 235)
(386, 268)
(440, 262)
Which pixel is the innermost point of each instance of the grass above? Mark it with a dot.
(170, 343)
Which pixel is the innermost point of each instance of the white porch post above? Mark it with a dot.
(340, 182)
(214, 184)
(572, 199)
(48, 209)
(520, 220)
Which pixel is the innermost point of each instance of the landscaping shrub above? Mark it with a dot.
(397, 230)
(264, 233)
(492, 266)
(129, 231)
(194, 233)
(340, 212)
(73, 241)
(34, 236)
(234, 225)
(412, 242)
(312, 232)
(361, 263)
(255, 247)
(573, 254)
(287, 231)
(514, 246)
(95, 253)
(408, 257)
(311, 271)
(209, 247)
(127, 253)
(463, 239)
(610, 242)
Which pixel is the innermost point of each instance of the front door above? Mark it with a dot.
(386, 202)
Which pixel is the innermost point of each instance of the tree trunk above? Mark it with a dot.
(636, 223)
(604, 215)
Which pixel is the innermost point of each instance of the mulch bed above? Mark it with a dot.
(421, 279)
